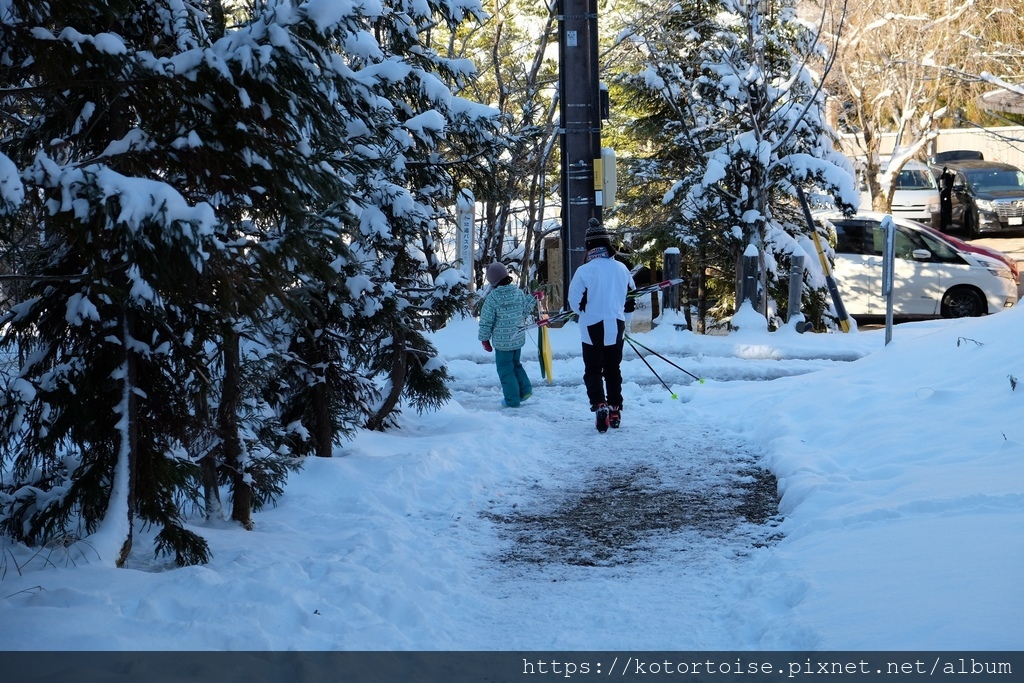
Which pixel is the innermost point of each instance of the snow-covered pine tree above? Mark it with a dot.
(743, 107)
(190, 187)
(286, 106)
(421, 138)
(96, 418)
(658, 133)
(223, 224)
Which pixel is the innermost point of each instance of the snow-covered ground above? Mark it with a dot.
(900, 524)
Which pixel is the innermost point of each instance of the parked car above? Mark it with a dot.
(1010, 262)
(954, 155)
(986, 196)
(932, 276)
(917, 193)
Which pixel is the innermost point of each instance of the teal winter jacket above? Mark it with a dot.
(503, 314)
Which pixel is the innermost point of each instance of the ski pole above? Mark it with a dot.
(567, 316)
(633, 341)
(563, 316)
(637, 351)
(655, 287)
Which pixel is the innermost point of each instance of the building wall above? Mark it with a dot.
(1001, 143)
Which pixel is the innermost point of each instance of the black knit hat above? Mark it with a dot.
(597, 236)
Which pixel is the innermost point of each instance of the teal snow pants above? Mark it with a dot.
(515, 384)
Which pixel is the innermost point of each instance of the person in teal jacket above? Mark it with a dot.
(504, 312)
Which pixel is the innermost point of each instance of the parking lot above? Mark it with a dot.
(1012, 246)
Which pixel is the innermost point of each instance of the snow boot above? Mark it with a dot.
(614, 417)
(602, 417)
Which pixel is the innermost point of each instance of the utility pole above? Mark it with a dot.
(579, 109)
(758, 178)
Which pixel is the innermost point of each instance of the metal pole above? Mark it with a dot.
(751, 276)
(670, 297)
(758, 174)
(830, 281)
(580, 128)
(888, 264)
(794, 316)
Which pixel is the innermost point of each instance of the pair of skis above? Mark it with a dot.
(656, 287)
(568, 315)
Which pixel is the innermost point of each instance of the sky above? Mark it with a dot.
(899, 525)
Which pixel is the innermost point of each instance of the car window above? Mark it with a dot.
(996, 180)
(904, 242)
(915, 180)
(850, 237)
(942, 251)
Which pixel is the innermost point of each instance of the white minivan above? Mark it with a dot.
(931, 277)
(917, 194)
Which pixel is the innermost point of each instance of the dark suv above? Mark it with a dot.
(981, 196)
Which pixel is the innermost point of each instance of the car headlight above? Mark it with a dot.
(985, 205)
(1002, 272)
(997, 268)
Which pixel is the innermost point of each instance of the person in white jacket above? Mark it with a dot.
(598, 294)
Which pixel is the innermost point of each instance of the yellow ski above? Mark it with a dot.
(544, 350)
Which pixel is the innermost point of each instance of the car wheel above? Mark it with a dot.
(962, 302)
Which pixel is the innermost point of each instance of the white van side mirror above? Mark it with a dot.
(921, 254)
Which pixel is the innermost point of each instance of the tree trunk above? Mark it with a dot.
(131, 434)
(212, 504)
(227, 419)
(399, 367)
(323, 429)
(702, 289)
(211, 491)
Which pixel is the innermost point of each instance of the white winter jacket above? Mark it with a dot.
(597, 293)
